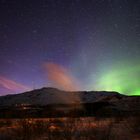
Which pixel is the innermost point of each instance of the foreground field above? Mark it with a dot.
(89, 128)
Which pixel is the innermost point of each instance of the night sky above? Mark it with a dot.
(70, 44)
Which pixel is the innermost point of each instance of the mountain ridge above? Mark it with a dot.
(52, 102)
(49, 95)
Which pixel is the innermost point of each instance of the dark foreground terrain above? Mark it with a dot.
(89, 128)
(52, 114)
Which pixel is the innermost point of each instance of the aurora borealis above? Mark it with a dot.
(89, 44)
(121, 78)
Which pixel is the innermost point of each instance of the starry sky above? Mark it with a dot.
(70, 44)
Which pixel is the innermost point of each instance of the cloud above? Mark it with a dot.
(12, 85)
(60, 77)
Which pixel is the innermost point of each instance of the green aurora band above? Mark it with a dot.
(124, 79)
